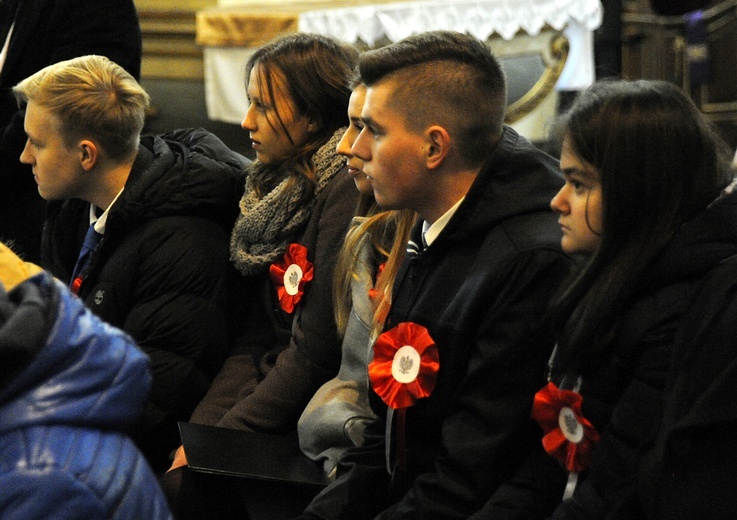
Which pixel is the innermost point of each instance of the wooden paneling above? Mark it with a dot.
(654, 47)
(168, 29)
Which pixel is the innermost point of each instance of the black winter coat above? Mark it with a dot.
(160, 272)
(689, 471)
(624, 392)
(480, 289)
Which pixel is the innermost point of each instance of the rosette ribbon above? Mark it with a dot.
(374, 295)
(377, 297)
(569, 436)
(290, 275)
(404, 369)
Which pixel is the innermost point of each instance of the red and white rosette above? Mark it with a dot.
(290, 275)
(404, 369)
(405, 365)
(569, 436)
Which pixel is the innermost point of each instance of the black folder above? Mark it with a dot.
(256, 455)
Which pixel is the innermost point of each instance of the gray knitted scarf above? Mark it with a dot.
(268, 224)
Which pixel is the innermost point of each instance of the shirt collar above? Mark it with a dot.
(431, 232)
(101, 221)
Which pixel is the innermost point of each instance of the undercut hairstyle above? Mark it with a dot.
(93, 98)
(445, 78)
(316, 72)
(660, 163)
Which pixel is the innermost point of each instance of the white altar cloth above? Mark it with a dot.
(224, 65)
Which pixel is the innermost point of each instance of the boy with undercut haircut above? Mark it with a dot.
(469, 299)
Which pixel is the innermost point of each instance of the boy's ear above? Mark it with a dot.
(437, 146)
(88, 154)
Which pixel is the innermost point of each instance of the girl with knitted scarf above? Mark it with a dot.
(294, 122)
(295, 211)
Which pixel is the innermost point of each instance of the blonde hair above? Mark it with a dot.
(388, 232)
(92, 97)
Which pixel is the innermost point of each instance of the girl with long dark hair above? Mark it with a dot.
(649, 210)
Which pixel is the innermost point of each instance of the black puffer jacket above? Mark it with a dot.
(160, 271)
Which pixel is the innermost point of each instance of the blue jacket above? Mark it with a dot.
(69, 387)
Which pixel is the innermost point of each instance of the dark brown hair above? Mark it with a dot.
(660, 163)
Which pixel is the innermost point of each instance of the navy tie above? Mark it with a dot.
(91, 241)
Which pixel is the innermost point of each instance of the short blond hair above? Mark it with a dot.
(94, 98)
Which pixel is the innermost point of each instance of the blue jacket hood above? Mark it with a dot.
(63, 366)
